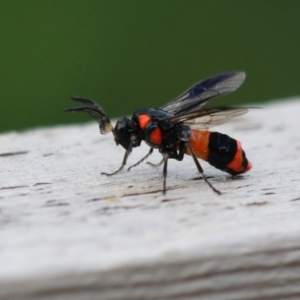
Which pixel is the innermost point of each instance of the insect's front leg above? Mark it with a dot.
(122, 166)
(145, 157)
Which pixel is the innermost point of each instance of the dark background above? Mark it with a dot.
(135, 53)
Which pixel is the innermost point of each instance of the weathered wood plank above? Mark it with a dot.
(70, 233)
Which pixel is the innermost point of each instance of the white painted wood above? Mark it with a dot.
(66, 232)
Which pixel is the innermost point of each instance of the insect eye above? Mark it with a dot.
(121, 124)
(122, 134)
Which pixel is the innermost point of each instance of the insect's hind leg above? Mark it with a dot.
(122, 166)
(145, 157)
(200, 170)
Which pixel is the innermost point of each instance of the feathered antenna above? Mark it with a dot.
(95, 111)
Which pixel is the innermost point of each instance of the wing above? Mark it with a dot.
(206, 118)
(201, 92)
(95, 111)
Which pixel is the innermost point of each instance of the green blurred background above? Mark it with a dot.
(135, 53)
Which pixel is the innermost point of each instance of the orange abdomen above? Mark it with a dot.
(220, 150)
(199, 141)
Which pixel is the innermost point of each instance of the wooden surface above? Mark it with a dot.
(66, 232)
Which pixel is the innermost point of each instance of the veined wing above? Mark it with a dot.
(206, 118)
(201, 92)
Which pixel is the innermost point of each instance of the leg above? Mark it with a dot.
(145, 157)
(181, 152)
(178, 156)
(201, 170)
(166, 157)
(122, 166)
(156, 165)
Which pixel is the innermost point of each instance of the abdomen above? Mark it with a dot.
(220, 150)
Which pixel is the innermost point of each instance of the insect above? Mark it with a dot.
(180, 127)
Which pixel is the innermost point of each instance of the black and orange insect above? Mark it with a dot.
(180, 127)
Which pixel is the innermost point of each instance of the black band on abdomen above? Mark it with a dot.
(222, 150)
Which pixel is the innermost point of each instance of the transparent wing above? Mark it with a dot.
(206, 118)
(95, 111)
(201, 92)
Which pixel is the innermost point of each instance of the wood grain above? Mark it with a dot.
(66, 232)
